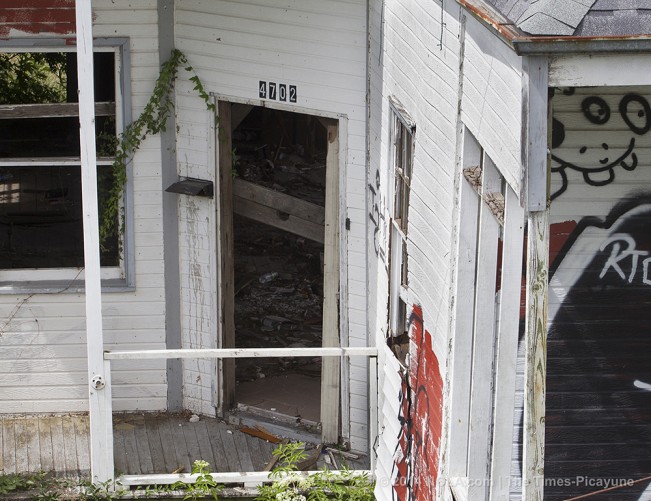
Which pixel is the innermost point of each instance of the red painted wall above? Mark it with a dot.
(37, 16)
(417, 456)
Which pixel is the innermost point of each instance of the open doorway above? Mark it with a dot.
(279, 256)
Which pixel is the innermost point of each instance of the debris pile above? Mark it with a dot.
(278, 273)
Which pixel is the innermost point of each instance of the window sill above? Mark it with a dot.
(61, 287)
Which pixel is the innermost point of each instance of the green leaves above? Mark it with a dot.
(151, 121)
(324, 485)
(203, 486)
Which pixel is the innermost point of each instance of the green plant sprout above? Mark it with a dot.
(288, 485)
(152, 120)
(203, 486)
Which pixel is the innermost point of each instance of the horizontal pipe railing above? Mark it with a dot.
(247, 478)
(240, 353)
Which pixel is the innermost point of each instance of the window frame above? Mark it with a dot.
(57, 280)
(402, 132)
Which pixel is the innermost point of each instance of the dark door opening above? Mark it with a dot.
(278, 162)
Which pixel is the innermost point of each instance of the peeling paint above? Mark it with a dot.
(37, 17)
(416, 459)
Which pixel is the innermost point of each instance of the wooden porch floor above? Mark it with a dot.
(143, 443)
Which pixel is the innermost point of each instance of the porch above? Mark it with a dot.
(144, 443)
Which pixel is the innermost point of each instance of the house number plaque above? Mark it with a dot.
(277, 91)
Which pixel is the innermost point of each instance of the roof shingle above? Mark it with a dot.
(589, 18)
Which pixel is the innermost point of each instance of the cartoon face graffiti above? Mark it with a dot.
(598, 159)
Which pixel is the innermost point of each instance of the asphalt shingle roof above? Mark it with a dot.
(590, 18)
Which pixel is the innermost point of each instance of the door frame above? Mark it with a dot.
(335, 321)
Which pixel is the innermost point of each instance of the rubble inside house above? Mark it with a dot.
(278, 274)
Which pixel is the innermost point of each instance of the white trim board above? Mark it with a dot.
(600, 70)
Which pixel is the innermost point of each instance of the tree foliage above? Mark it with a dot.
(30, 77)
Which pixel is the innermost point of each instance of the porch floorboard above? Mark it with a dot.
(143, 444)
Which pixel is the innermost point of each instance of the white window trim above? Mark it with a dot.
(58, 280)
(398, 292)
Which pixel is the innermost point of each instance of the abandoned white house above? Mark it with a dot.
(419, 226)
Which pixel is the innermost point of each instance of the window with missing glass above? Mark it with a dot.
(40, 164)
(402, 130)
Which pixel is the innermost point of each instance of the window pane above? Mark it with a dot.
(404, 269)
(398, 205)
(50, 80)
(51, 137)
(41, 218)
(405, 207)
(40, 77)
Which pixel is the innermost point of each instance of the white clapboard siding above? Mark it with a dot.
(492, 101)
(319, 46)
(407, 62)
(415, 47)
(389, 391)
(42, 337)
(424, 78)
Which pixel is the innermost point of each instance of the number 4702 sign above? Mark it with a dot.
(277, 91)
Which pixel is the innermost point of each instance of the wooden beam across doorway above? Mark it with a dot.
(279, 210)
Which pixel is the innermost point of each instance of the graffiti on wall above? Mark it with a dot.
(416, 455)
(597, 163)
(598, 404)
(378, 218)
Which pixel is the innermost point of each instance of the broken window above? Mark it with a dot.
(40, 164)
(401, 155)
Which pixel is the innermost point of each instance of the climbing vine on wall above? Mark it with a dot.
(152, 120)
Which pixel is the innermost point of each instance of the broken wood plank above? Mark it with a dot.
(274, 458)
(310, 460)
(279, 201)
(278, 219)
(260, 432)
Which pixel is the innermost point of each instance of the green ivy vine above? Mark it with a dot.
(152, 120)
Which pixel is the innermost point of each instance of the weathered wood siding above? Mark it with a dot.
(42, 336)
(415, 57)
(492, 100)
(319, 46)
(407, 62)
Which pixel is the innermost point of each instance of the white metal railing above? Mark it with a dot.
(104, 470)
(240, 353)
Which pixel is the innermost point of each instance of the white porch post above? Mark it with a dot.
(99, 400)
